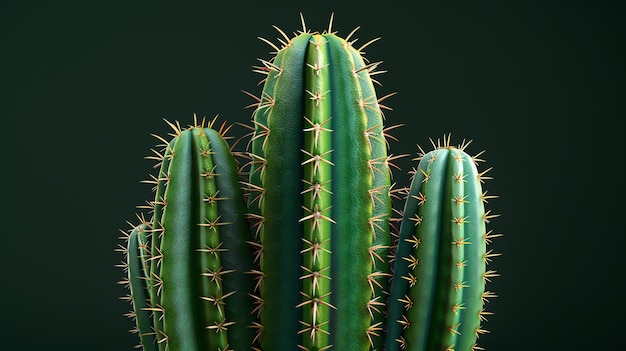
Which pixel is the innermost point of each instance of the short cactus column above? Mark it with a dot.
(187, 266)
(438, 290)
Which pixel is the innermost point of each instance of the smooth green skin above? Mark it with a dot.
(199, 255)
(451, 257)
(285, 168)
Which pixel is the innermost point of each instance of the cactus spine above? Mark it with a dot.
(438, 291)
(320, 184)
(186, 266)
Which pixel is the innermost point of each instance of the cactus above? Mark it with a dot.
(438, 292)
(320, 194)
(186, 266)
(303, 254)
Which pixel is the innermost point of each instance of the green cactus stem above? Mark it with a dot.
(320, 197)
(187, 266)
(438, 290)
(137, 281)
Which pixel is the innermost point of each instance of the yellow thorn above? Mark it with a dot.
(360, 50)
(411, 279)
(175, 127)
(490, 274)
(420, 197)
(479, 331)
(316, 129)
(373, 330)
(303, 24)
(269, 43)
(288, 40)
(259, 275)
(457, 306)
(487, 257)
(487, 216)
(404, 322)
(460, 285)
(258, 332)
(313, 328)
(371, 279)
(351, 33)
(484, 197)
(315, 276)
(316, 188)
(414, 240)
(259, 302)
(330, 23)
(406, 300)
(490, 235)
(371, 306)
(412, 260)
(316, 160)
(316, 215)
(464, 144)
(220, 326)
(488, 295)
(402, 342)
(484, 313)
(453, 329)
(481, 176)
(374, 255)
(460, 220)
(460, 242)
(315, 247)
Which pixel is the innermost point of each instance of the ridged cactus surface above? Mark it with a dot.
(319, 195)
(187, 266)
(302, 253)
(438, 291)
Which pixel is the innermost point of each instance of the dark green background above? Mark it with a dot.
(538, 84)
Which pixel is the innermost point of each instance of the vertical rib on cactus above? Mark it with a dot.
(320, 194)
(196, 258)
(441, 257)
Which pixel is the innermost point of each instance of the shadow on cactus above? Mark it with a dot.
(300, 249)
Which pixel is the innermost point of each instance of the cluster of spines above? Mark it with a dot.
(316, 170)
(177, 257)
(442, 308)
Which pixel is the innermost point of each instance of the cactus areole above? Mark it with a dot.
(297, 249)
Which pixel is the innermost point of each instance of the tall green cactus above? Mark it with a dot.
(187, 265)
(438, 291)
(320, 195)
